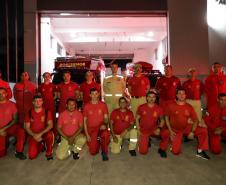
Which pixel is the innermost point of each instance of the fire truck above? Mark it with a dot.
(78, 66)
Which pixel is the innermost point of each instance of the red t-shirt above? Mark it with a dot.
(95, 113)
(121, 120)
(85, 89)
(139, 85)
(7, 111)
(70, 122)
(66, 91)
(38, 121)
(216, 118)
(167, 87)
(149, 117)
(214, 85)
(47, 91)
(6, 86)
(179, 115)
(23, 94)
(193, 89)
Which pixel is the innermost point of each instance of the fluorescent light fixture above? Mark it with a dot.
(150, 34)
(216, 14)
(73, 35)
(65, 14)
(110, 39)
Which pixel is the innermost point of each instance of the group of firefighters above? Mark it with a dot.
(171, 111)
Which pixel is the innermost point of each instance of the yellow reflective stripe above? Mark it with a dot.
(108, 94)
(118, 94)
(133, 140)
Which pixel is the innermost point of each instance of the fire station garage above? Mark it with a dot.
(55, 36)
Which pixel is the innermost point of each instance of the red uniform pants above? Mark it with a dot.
(144, 141)
(34, 147)
(52, 109)
(215, 141)
(19, 133)
(200, 133)
(94, 144)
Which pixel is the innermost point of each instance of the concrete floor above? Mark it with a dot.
(185, 169)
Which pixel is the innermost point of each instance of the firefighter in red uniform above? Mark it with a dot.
(5, 85)
(9, 126)
(181, 120)
(67, 89)
(193, 88)
(96, 124)
(70, 127)
(216, 122)
(38, 124)
(23, 94)
(122, 127)
(149, 120)
(167, 86)
(86, 86)
(215, 84)
(49, 92)
(138, 86)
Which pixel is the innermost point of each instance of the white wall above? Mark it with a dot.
(148, 55)
(31, 39)
(188, 36)
(48, 50)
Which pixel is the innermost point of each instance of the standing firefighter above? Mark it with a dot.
(138, 86)
(67, 89)
(167, 86)
(23, 93)
(114, 88)
(215, 84)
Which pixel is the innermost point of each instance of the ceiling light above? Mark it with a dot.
(65, 14)
(150, 34)
(73, 35)
(215, 14)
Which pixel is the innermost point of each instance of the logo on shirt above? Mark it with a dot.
(99, 111)
(127, 118)
(197, 86)
(155, 114)
(142, 82)
(176, 112)
(73, 122)
(117, 117)
(90, 112)
(186, 113)
(164, 84)
(174, 84)
(42, 118)
(69, 88)
(144, 112)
